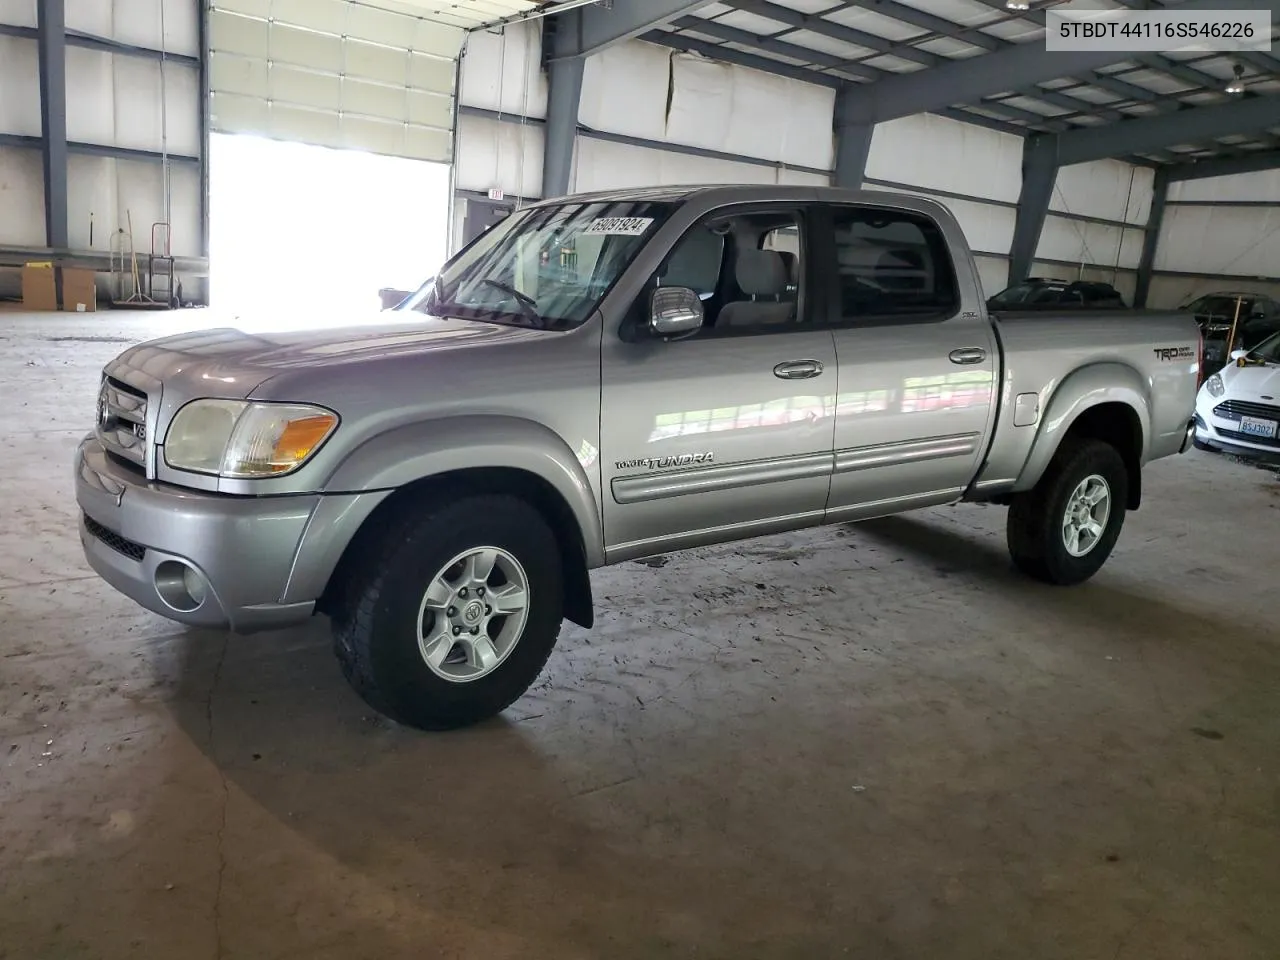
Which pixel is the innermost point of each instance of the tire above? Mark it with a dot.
(1037, 518)
(385, 601)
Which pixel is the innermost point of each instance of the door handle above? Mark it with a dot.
(968, 355)
(798, 370)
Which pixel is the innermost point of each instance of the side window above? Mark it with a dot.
(746, 268)
(892, 263)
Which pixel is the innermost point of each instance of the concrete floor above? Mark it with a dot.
(868, 742)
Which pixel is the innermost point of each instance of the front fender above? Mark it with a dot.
(434, 447)
(1079, 391)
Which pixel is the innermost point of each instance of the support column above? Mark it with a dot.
(1039, 173)
(853, 140)
(564, 95)
(1151, 240)
(51, 39)
(204, 94)
(853, 146)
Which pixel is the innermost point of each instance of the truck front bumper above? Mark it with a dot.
(210, 560)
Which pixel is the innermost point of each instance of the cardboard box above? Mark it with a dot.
(39, 287)
(79, 290)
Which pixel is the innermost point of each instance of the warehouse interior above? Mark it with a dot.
(868, 740)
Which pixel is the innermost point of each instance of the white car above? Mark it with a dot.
(1238, 408)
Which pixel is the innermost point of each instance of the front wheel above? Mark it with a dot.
(450, 615)
(1063, 530)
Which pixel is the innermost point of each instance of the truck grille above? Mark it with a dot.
(122, 421)
(1235, 409)
(134, 551)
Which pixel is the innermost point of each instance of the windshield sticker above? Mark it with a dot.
(618, 227)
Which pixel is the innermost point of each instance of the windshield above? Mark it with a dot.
(545, 267)
(1268, 351)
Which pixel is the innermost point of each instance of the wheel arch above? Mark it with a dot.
(1107, 402)
(480, 454)
(468, 481)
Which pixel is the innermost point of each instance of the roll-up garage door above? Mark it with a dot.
(335, 73)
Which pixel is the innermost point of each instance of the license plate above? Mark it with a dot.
(1255, 427)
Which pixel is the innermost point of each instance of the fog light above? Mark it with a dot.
(180, 586)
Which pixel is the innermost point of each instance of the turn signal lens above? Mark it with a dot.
(274, 439)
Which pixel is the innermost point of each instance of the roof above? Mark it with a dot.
(874, 47)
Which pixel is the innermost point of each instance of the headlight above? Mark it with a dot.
(239, 438)
(1214, 386)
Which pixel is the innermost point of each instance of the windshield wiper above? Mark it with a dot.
(528, 305)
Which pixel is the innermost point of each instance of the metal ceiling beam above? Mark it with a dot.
(829, 28)
(968, 81)
(746, 38)
(939, 25)
(598, 27)
(1225, 167)
(714, 51)
(1250, 115)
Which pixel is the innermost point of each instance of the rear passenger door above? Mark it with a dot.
(727, 434)
(917, 359)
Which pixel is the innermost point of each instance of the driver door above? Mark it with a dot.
(726, 434)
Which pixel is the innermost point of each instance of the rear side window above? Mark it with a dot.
(892, 263)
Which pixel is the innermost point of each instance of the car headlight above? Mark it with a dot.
(1214, 386)
(244, 439)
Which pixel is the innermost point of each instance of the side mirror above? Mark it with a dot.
(675, 313)
(1239, 354)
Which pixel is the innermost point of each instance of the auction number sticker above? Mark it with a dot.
(618, 226)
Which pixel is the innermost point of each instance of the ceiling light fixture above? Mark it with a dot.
(1017, 4)
(1236, 86)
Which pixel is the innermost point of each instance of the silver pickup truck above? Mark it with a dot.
(602, 378)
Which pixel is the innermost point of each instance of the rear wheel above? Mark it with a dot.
(1063, 530)
(449, 616)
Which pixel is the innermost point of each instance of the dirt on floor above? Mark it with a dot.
(872, 741)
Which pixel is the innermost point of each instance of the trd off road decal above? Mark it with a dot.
(1175, 353)
(666, 463)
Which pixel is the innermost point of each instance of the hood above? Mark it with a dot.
(1252, 383)
(235, 361)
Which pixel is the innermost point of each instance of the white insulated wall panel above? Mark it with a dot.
(21, 198)
(935, 152)
(123, 101)
(604, 165)
(1250, 187)
(138, 22)
(114, 190)
(499, 154)
(647, 91)
(993, 272)
(18, 13)
(19, 87)
(1075, 241)
(1242, 241)
(335, 73)
(1107, 189)
(502, 71)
